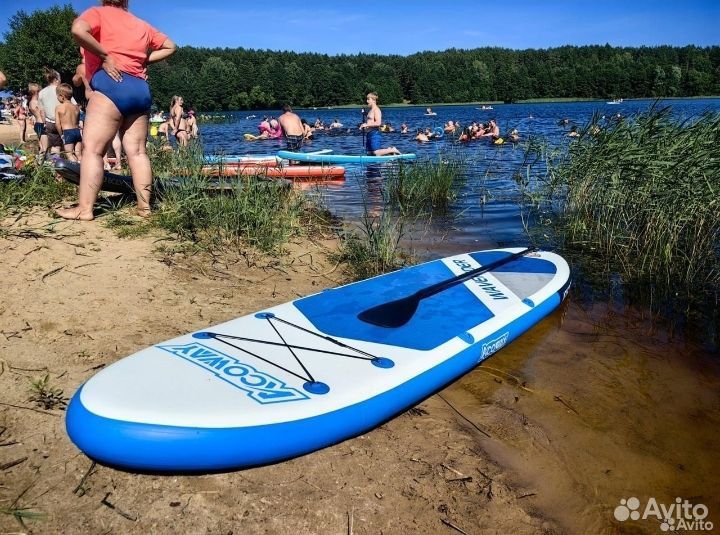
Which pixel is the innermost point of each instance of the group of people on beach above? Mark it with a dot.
(53, 115)
(57, 119)
(111, 78)
(180, 124)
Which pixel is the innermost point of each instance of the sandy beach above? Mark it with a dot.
(76, 298)
(10, 134)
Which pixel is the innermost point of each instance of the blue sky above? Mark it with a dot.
(404, 27)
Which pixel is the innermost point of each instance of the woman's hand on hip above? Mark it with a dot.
(110, 68)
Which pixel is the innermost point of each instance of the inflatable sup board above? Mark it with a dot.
(117, 183)
(251, 158)
(340, 158)
(300, 172)
(303, 375)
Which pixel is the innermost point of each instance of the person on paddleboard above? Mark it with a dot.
(371, 126)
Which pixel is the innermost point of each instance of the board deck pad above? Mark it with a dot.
(307, 374)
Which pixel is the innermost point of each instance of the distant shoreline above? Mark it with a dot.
(490, 103)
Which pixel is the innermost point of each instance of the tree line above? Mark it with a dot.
(216, 79)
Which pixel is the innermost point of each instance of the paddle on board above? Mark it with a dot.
(397, 313)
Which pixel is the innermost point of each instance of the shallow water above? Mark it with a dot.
(598, 403)
(595, 405)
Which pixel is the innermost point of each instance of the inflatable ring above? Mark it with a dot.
(438, 132)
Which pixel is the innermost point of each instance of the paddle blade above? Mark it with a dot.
(393, 314)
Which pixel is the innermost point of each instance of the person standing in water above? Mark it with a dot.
(371, 126)
(292, 128)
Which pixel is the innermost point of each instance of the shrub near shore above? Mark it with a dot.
(260, 212)
(645, 193)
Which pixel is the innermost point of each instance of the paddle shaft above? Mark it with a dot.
(454, 281)
(364, 130)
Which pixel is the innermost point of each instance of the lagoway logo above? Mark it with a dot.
(681, 515)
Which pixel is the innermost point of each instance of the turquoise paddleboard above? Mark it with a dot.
(340, 158)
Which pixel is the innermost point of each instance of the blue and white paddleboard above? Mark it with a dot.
(307, 374)
(340, 158)
(251, 158)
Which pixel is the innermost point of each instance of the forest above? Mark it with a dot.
(214, 79)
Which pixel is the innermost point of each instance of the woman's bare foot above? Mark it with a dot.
(75, 213)
(144, 213)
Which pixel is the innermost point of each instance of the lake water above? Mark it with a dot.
(487, 211)
(602, 401)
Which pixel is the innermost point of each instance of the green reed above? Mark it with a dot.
(425, 186)
(213, 211)
(645, 192)
(373, 246)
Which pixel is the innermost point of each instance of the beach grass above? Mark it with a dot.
(645, 193)
(263, 214)
(38, 188)
(230, 212)
(22, 515)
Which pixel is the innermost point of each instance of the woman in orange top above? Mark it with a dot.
(115, 45)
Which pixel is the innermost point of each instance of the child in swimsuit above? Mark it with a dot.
(67, 120)
(39, 114)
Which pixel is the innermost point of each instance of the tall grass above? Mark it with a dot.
(425, 186)
(39, 188)
(645, 192)
(261, 213)
(248, 209)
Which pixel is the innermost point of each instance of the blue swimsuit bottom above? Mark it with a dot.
(131, 95)
(72, 136)
(373, 141)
